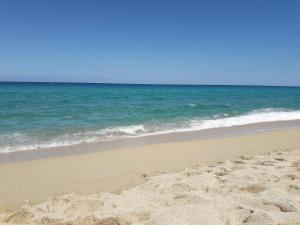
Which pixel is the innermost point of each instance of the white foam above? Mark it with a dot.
(72, 139)
(192, 105)
(126, 130)
(257, 116)
(219, 121)
(36, 146)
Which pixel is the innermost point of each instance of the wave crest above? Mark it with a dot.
(256, 116)
(217, 121)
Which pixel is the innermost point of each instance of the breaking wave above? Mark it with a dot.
(22, 142)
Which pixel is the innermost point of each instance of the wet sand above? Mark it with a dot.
(119, 169)
(147, 140)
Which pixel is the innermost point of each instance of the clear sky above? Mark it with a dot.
(188, 42)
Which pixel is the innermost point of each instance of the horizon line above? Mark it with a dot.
(162, 84)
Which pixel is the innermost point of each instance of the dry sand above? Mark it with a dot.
(259, 188)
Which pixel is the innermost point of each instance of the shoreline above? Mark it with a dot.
(119, 169)
(129, 142)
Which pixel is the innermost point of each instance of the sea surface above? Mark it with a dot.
(37, 115)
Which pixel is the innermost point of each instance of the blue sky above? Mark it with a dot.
(176, 42)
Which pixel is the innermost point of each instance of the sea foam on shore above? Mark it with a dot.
(47, 115)
(22, 142)
(253, 190)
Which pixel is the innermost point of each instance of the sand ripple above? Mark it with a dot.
(261, 190)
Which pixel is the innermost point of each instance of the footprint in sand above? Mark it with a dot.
(284, 204)
(17, 217)
(253, 188)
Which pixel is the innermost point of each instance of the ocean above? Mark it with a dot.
(38, 115)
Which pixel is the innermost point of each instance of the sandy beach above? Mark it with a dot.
(149, 113)
(154, 184)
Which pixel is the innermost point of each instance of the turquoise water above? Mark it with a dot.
(34, 115)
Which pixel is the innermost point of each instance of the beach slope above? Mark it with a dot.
(262, 189)
(251, 179)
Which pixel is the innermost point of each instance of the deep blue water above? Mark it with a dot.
(36, 115)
